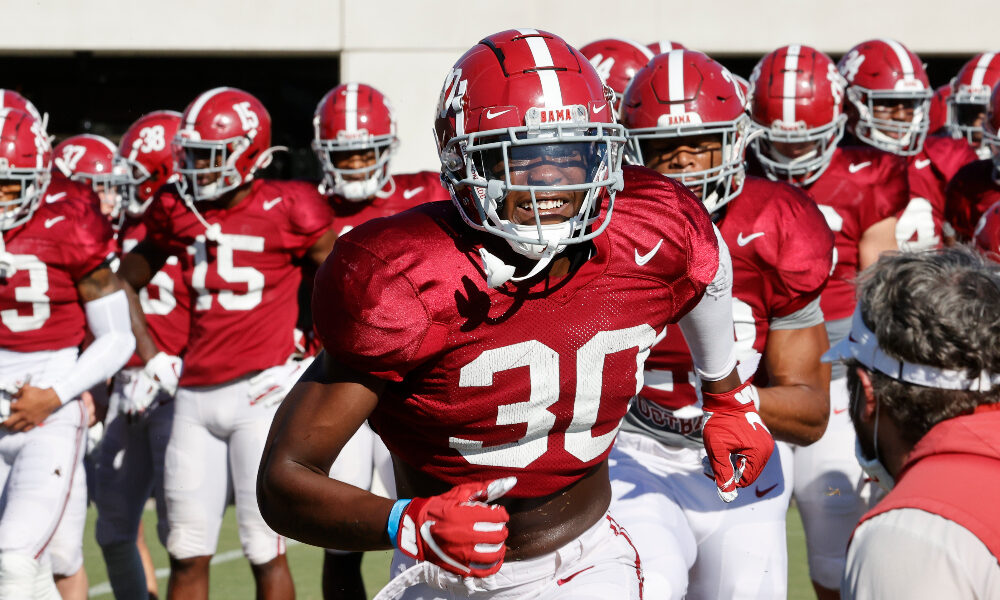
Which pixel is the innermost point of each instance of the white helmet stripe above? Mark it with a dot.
(903, 56)
(675, 82)
(788, 88)
(351, 108)
(199, 103)
(551, 90)
(979, 73)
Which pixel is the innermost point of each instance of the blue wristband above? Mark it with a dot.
(394, 516)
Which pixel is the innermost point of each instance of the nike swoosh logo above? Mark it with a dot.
(838, 411)
(641, 259)
(269, 204)
(763, 492)
(743, 241)
(922, 164)
(855, 167)
(55, 197)
(407, 194)
(570, 578)
(50, 222)
(598, 111)
(492, 115)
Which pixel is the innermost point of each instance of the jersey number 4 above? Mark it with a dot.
(543, 373)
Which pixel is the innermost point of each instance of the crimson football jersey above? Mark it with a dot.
(972, 190)
(782, 251)
(861, 187)
(243, 288)
(921, 224)
(165, 300)
(63, 242)
(410, 189)
(486, 383)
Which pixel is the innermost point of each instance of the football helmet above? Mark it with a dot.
(223, 139)
(937, 114)
(682, 94)
(880, 72)
(970, 94)
(664, 46)
(797, 98)
(26, 160)
(515, 97)
(146, 151)
(12, 99)
(91, 159)
(617, 61)
(354, 117)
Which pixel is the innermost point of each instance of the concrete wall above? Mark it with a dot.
(405, 47)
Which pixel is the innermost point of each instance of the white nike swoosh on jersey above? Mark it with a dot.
(411, 193)
(492, 115)
(855, 167)
(922, 164)
(598, 110)
(50, 222)
(269, 204)
(743, 241)
(55, 197)
(641, 259)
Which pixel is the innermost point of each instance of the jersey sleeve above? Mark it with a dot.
(309, 216)
(368, 315)
(94, 241)
(804, 257)
(960, 206)
(889, 191)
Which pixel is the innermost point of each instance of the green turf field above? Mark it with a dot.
(231, 575)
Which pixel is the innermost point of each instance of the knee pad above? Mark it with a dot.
(262, 549)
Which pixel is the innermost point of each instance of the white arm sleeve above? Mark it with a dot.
(709, 328)
(108, 320)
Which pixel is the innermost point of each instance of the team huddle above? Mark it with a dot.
(585, 359)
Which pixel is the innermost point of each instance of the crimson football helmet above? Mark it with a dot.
(25, 160)
(12, 99)
(354, 117)
(514, 97)
(885, 72)
(970, 94)
(223, 139)
(91, 159)
(682, 94)
(987, 236)
(617, 61)
(797, 98)
(937, 114)
(146, 151)
(664, 46)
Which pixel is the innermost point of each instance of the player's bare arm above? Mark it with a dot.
(879, 238)
(796, 405)
(318, 252)
(136, 271)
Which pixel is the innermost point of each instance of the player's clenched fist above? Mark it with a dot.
(459, 530)
(737, 442)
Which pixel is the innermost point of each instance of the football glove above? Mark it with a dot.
(736, 439)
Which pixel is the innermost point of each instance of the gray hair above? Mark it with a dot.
(939, 308)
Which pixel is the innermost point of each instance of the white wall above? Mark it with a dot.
(405, 47)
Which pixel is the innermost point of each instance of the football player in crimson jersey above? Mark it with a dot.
(355, 139)
(130, 458)
(55, 283)
(616, 61)
(495, 342)
(969, 99)
(976, 186)
(238, 239)
(888, 104)
(797, 97)
(782, 252)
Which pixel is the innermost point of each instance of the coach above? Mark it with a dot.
(923, 363)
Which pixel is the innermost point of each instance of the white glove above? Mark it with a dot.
(269, 387)
(166, 370)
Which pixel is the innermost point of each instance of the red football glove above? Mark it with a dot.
(458, 531)
(736, 439)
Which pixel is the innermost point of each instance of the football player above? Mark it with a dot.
(238, 239)
(970, 95)
(55, 284)
(888, 105)
(976, 186)
(617, 61)
(495, 342)
(797, 99)
(355, 139)
(130, 459)
(91, 159)
(685, 118)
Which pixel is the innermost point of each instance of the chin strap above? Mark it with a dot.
(213, 231)
(498, 272)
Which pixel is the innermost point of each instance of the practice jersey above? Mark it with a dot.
(65, 240)
(972, 190)
(243, 287)
(532, 382)
(861, 187)
(404, 192)
(921, 225)
(782, 252)
(165, 300)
